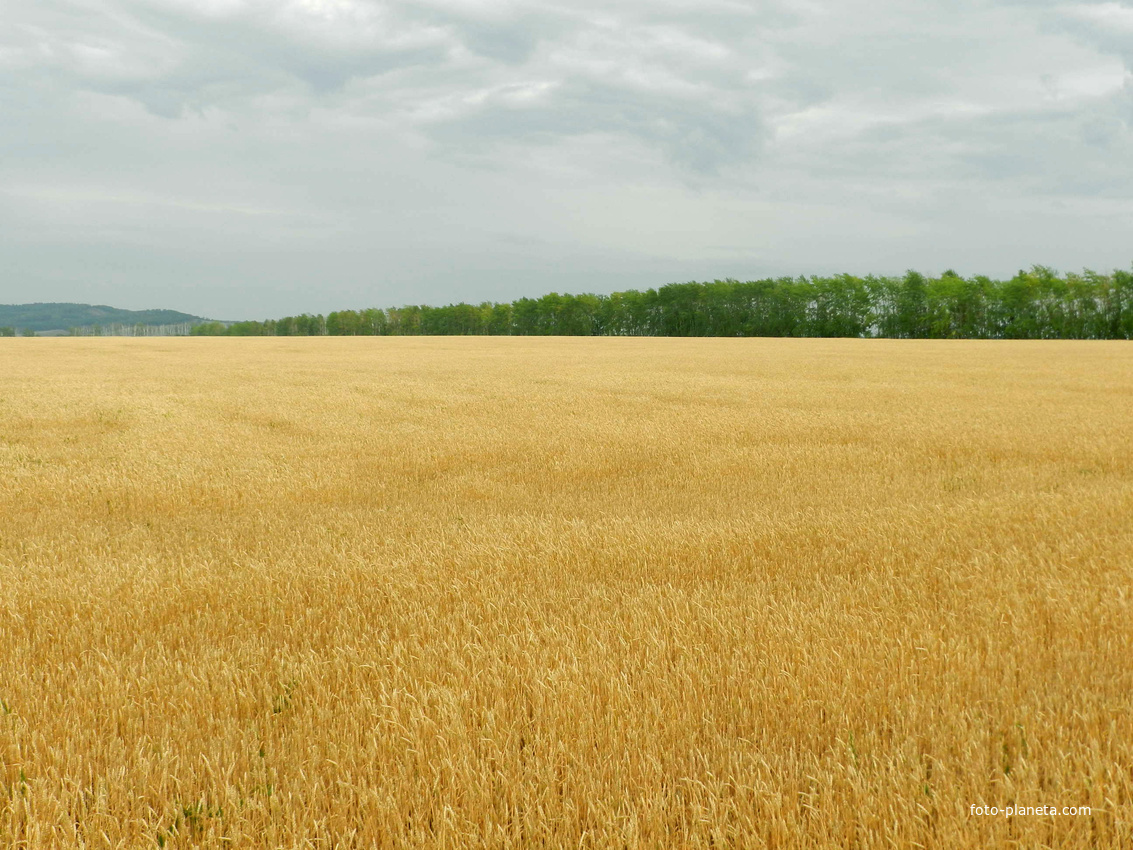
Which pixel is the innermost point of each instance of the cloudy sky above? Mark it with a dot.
(254, 158)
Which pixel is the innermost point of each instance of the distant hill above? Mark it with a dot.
(51, 317)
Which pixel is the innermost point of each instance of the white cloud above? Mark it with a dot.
(1113, 16)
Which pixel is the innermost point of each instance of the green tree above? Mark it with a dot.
(344, 323)
(500, 320)
(1033, 305)
(525, 317)
(912, 307)
(208, 329)
(375, 322)
(1119, 311)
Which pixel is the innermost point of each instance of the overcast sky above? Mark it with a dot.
(255, 158)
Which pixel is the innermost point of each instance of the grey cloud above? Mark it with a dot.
(511, 37)
(252, 52)
(195, 62)
(178, 58)
(379, 152)
(697, 107)
(1089, 22)
(694, 133)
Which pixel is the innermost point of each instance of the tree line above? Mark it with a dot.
(134, 329)
(57, 317)
(1035, 304)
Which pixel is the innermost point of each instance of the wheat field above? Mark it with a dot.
(539, 592)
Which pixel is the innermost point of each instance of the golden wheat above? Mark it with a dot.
(468, 592)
